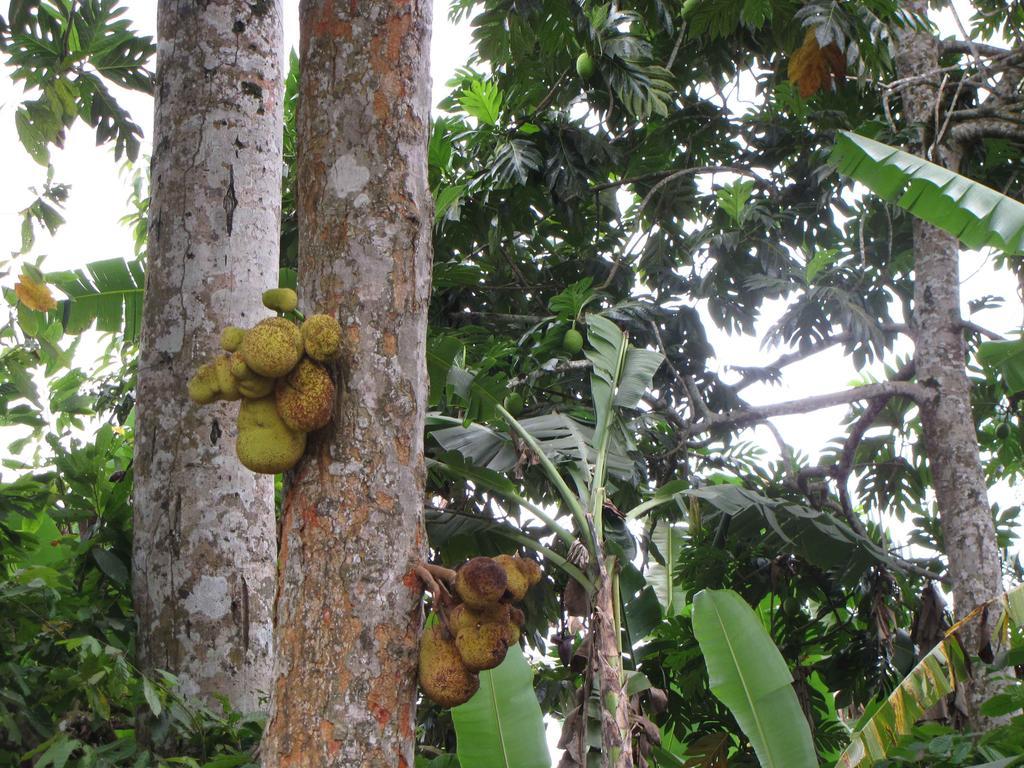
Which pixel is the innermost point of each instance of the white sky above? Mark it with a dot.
(99, 193)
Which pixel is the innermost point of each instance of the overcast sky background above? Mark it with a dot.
(99, 193)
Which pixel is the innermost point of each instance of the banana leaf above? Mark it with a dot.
(502, 725)
(978, 215)
(747, 673)
(621, 372)
(563, 440)
(668, 540)
(107, 293)
(816, 536)
(934, 676)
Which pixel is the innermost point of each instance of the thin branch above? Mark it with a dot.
(667, 174)
(500, 317)
(971, 326)
(974, 49)
(549, 95)
(562, 367)
(753, 374)
(756, 414)
(675, 48)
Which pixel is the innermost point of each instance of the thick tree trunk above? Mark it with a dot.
(950, 439)
(348, 609)
(204, 525)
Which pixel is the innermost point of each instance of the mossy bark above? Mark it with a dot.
(203, 554)
(348, 607)
(961, 492)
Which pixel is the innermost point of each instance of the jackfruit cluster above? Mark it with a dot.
(477, 632)
(276, 369)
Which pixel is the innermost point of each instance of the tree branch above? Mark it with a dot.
(665, 175)
(970, 47)
(752, 374)
(756, 414)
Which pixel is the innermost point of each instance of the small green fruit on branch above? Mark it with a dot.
(280, 299)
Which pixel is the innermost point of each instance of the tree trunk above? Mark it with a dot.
(616, 738)
(204, 546)
(348, 606)
(950, 439)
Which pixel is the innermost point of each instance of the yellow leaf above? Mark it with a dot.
(811, 66)
(34, 295)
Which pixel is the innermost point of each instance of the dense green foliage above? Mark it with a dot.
(649, 195)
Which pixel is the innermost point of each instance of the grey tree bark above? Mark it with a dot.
(940, 358)
(204, 548)
(348, 606)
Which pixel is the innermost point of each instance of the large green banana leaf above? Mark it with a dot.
(621, 372)
(748, 674)
(813, 535)
(107, 293)
(978, 215)
(934, 677)
(668, 540)
(502, 725)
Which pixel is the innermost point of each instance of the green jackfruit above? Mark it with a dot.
(213, 381)
(305, 397)
(444, 677)
(585, 66)
(231, 338)
(280, 299)
(518, 582)
(265, 444)
(484, 645)
(250, 384)
(203, 387)
(272, 347)
(481, 583)
(321, 336)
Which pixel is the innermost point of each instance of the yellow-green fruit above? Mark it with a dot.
(530, 568)
(517, 580)
(250, 384)
(484, 645)
(203, 387)
(272, 348)
(481, 583)
(265, 444)
(213, 381)
(321, 336)
(280, 299)
(443, 676)
(305, 397)
(238, 367)
(585, 67)
(461, 616)
(572, 342)
(227, 383)
(231, 338)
